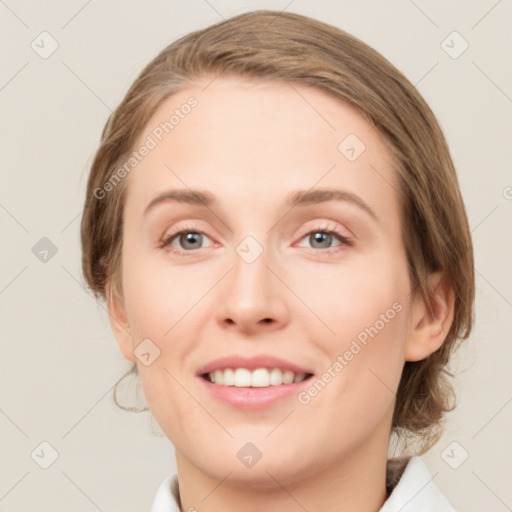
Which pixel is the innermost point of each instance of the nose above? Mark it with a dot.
(251, 298)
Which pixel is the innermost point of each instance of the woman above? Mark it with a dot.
(275, 223)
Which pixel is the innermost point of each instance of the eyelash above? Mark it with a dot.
(166, 242)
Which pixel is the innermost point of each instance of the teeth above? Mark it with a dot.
(259, 378)
(229, 377)
(242, 378)
(299, 377)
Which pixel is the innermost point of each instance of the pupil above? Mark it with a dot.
(191, 238)
(322, 237)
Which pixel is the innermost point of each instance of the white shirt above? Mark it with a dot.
(415, 492)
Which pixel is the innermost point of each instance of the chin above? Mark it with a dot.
(260, 476)
(272, 469)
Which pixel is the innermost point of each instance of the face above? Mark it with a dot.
(293, 265)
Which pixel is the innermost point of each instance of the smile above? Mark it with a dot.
(257, 378)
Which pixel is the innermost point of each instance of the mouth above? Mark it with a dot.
(257, 378)
(251, 383)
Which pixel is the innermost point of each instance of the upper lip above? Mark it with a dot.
(251, 363)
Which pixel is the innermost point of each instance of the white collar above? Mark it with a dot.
(415, 492)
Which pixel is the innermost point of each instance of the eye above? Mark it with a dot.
(322, 238)
(188, 239)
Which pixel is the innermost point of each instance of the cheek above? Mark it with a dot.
(160, 303)
(366, 310)
(155, 297)
(348, 299)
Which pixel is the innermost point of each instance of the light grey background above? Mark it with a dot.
(59, 359)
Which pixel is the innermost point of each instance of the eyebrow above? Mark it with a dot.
(297, 198)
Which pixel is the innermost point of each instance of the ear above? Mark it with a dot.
(430, 327)
(119, 322)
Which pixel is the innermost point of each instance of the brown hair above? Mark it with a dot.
(272, 45)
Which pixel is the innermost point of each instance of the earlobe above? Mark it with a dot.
(119, 322)
(430, 325)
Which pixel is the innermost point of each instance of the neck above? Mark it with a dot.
(357, 483)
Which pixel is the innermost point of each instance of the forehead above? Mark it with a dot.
(256, 140)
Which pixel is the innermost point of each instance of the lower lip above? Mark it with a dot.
(253, 398)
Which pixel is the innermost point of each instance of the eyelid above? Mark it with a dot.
(325, 225)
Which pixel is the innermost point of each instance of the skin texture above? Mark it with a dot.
(250, 144)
